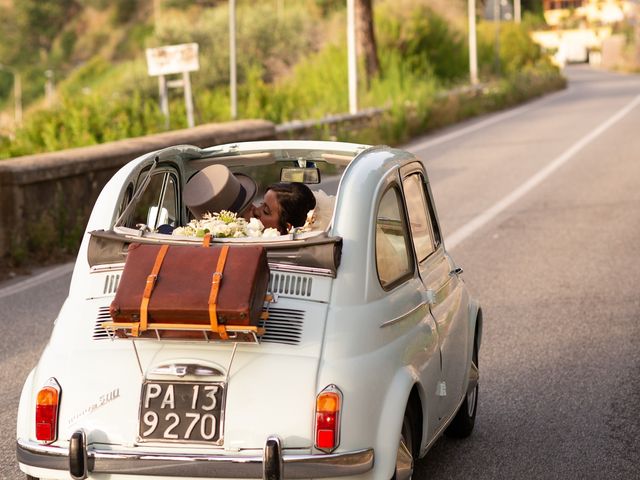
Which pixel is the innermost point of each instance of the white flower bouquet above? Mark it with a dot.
(226, 225)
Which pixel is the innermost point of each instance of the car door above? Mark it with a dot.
(447, 298)
(396, 271)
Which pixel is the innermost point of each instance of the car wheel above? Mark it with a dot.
(405, 455)
(463, 422)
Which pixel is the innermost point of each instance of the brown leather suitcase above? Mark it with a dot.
(178, 288)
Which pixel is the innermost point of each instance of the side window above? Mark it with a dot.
(158, 203)
(170, 202)
(393, 257)
(418, 210)
(128, 195)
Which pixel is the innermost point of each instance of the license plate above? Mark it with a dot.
(181, 412)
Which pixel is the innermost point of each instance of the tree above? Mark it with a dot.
(366, 37)
(534, 6)
(40, 22)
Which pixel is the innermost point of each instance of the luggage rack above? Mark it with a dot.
(190, 331)
(173, 331)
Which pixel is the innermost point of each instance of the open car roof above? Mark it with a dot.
(311, 249)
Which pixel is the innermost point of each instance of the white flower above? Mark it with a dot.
(270, 233)
(254, 228)
(187, 231)
(255, 224)
(226, 225)
(220, 229)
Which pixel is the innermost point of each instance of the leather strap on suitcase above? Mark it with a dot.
(213, 296)
(148, 290)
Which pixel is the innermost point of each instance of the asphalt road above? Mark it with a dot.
(541, 207)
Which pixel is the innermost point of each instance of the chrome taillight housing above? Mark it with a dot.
(327, 428)
(47, 409)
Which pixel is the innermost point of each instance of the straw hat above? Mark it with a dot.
(215, 188)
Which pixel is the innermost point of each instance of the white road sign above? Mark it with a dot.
(173, 59)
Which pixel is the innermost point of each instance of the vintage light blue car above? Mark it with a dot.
(369, 352)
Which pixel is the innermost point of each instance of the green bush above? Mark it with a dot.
(428, 44)
(517, 51)
(87, 120)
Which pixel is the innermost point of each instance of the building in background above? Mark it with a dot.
(562, 13)
(579, 28)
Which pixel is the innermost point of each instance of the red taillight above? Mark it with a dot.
(47, 404)
(328, 405)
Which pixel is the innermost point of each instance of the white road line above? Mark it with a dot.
(47, 276)
(469, 228)
(485, 123)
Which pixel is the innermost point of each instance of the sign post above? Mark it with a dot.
(171, 60)
(233, 82)
(473, 44)
(352, 61)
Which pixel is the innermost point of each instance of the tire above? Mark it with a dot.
(405, 458)
(462, 424)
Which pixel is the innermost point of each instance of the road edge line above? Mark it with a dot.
(498, 117)
(47, 276)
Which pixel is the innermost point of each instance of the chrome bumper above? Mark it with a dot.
(81, 460)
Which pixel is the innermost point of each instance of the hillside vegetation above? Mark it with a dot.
(291, 64)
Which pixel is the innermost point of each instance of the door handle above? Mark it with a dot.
(456, 271)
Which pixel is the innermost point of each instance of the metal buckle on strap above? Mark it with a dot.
(216, 278)
(150, 283)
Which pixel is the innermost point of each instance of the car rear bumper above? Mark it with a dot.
(272, 465)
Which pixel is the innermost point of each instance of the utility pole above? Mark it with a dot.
(473, 47)
(636, 8)
(352, 61)
(156, 15)
(517, 11)
(496, 19)
(233, 87)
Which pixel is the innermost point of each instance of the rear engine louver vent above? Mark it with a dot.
(286, 284)
(99, 333)
(111, 282)
(283, 326)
